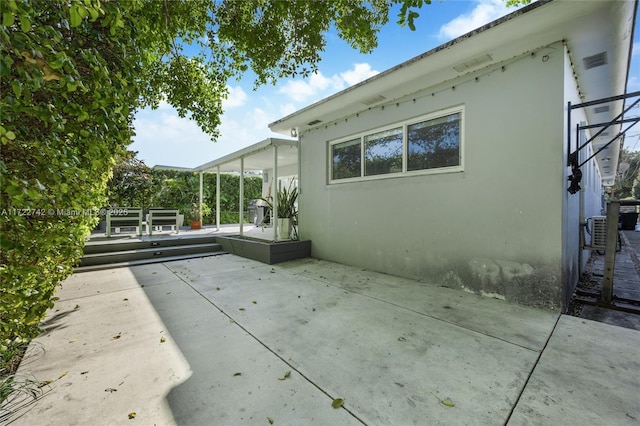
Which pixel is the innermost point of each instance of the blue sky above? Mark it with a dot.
(162, 137)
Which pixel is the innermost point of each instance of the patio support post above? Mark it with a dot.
(217, 198)
(241, 195)
(274, 192)
(200, 197)
(297, 233)
(613, 213)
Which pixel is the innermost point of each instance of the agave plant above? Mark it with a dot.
(287, 198)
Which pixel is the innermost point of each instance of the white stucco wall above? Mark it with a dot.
(588, 202)
(495, 228)
(285, 173)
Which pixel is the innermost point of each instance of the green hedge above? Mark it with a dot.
(144, 187)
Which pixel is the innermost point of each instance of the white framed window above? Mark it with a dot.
(383, 152)
(427, 144)
(346, 159)
(434, 143)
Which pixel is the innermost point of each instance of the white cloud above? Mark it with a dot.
(162, 137)
(360, 72)
(301, 90)
(318, 84)
(260, 119)
(286, 109)
(237, 97)
(484, 12)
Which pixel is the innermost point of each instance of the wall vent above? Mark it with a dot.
(373, 100)
(311, 123)
(595, 61)
(598, 110)
(472, 63)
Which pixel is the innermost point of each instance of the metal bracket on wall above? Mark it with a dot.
(573, 158)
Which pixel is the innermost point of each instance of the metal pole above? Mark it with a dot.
(241, 195)
(569, 133)
(274, 192)
(613, 212)
(201, 197)
(218, 198)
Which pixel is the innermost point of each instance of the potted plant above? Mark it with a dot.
(287, 211)
(196, 220)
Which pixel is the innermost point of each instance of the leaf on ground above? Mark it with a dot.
(218, 288)
(270, 420)
(447, 403)
(132, 415)
(163, 339)
(237, 374)
(254, 302)
(337, 403)
(116, 337)
(45, 383)
(241, 309)
(286, 374)
(111, 390)
(125, 299)
(85, 372)
(73, 340)
(62, 375)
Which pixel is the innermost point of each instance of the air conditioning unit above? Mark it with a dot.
(598, 232)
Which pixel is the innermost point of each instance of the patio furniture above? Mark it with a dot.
(124, 217)
(159, 217)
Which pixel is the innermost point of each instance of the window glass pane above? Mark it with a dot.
(346, 159)
(434, 143)
(383, 152)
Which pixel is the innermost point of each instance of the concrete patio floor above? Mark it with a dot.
(210, 341)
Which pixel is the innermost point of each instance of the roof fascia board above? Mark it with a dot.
(281, 126)
(245, 152)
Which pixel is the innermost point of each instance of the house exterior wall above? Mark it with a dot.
(289, 171)
(585, 204)
(495, 228)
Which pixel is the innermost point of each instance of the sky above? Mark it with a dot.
(163, 138)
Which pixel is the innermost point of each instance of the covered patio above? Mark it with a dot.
(276, 160)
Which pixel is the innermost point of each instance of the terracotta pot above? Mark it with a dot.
(196, 224)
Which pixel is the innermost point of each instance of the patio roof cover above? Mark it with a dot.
(257, 157)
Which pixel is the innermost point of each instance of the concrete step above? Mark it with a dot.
(109, 245)
(104, 266)
(154, 252)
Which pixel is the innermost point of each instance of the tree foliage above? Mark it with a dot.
(130, 183)
(181, 189)
(626, 185)
(66, 111)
